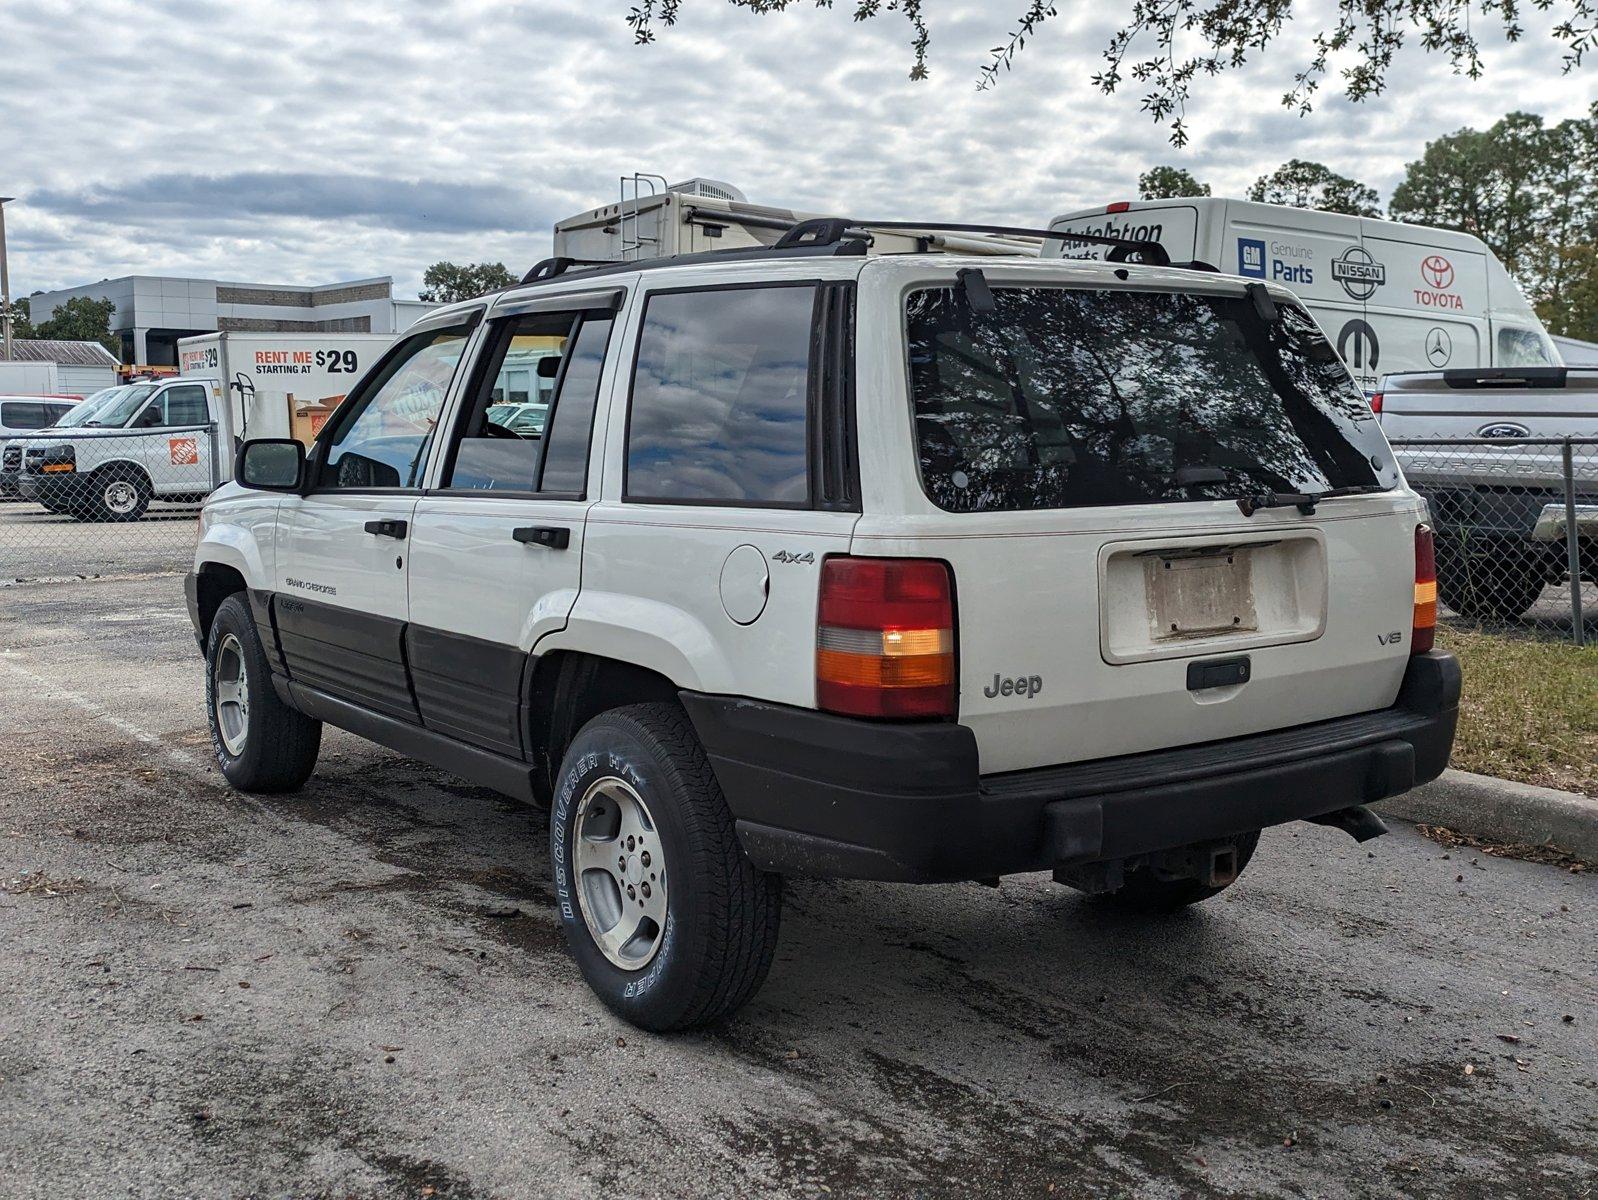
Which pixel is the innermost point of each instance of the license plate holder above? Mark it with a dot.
(1201, 594)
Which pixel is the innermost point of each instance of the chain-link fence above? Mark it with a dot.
(85, 502)
(1516, 521)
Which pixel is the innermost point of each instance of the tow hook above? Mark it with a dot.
(1356, 820)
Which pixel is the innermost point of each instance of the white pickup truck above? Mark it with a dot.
(1495, 452)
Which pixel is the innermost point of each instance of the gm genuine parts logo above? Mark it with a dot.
(1358, 272)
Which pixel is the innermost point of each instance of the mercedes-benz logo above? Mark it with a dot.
(1439, 346)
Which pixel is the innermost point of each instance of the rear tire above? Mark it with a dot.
(1145, 892)
(669, 922)
(1496, 588)
(261, 744)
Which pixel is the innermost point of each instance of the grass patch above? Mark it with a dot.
(1530, 709)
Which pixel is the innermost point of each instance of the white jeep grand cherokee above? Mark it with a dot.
(917, 568)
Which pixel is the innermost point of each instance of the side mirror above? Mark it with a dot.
(270, 464)
(150, 418)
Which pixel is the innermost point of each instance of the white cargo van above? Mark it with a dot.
(1391, 297)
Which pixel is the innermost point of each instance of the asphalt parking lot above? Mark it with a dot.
(37, 544)
(361, 990)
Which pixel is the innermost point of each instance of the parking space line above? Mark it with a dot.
(50, 690)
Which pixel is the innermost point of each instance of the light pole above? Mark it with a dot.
(5, 277)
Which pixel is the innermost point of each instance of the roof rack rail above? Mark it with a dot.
(820, 231)
(549, 268)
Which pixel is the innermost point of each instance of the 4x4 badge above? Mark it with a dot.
(788, 556)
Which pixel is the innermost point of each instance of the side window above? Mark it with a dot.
(572, 427)
(383, 442)
(529, 423)
(720, 397)
(1522, 348)
(18, 415)
(186, 406)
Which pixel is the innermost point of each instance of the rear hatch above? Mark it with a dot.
(1083, 445)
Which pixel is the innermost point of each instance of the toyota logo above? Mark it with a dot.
(1437, 271)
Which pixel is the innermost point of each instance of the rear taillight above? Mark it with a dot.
(1118, 207)
(885, 638)
(1423, 632)
(1376, 403)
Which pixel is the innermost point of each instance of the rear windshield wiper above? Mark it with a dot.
(1305, 502)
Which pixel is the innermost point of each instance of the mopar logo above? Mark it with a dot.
(1358, 272)
(1503, 429)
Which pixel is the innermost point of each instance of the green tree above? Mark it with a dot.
(82, 319)
(1574, 311)
(21, 320)
(1311, 185)
(447, 282)
(1528, 190)
(1162, 183)
(1163, 46)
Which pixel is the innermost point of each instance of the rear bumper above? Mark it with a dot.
(820, 795)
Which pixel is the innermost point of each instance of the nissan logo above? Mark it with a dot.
(1503, 429)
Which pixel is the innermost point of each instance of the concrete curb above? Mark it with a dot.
(1503, 811)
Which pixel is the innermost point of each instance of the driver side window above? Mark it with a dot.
(383, 443)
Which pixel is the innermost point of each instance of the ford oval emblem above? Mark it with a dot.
(1503, 429)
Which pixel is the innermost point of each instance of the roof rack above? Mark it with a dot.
(822, 231)
(825, 237)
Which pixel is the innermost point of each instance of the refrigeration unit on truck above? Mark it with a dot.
(173, 439)
(1391, 297)
(655, 219)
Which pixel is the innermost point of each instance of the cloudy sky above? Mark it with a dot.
(310, 140)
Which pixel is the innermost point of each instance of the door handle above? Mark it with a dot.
(556, 537)
(393, 529)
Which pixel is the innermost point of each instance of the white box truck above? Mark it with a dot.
(173, 439)
(279, 384)
(1391, 297)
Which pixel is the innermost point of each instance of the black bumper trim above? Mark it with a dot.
(820, 795)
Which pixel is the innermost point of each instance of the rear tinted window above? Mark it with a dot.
(25, 414)
(1064, 398)
(721, 396)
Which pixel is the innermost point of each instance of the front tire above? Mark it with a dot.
(261, 744)
(119, 494)
(669, 922)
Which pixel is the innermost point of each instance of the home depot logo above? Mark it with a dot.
(184, 451)
(1438, 275)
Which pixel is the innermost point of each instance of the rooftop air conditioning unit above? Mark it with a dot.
(714, 189)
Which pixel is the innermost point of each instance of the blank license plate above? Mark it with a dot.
(1201, 595)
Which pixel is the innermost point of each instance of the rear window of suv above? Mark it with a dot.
(1063, 397)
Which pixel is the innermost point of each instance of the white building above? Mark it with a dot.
(74, 368)
(153, 311)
